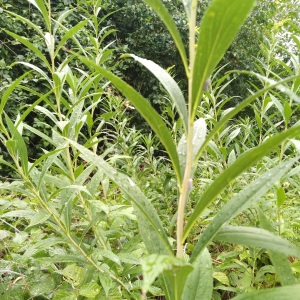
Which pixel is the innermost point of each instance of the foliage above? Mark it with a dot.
(98, 214)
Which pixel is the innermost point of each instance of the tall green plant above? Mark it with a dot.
(180, 279)
(217, 30)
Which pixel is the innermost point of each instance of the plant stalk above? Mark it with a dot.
(187, 179)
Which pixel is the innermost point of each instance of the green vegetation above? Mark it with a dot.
(197, 201)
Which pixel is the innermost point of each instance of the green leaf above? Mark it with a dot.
(280, 193)
(169, 84)
(39, 218)
(29, 45)
(256, 237)
(9, 90)
(39, 4)
(175, 270)
(37, 69)
(219, 26)
(229, 115)
(281, 293)
(19, 146)
(279, 261)
(69, 34)
(199, 284)
(74, 273)
(163, 13)
(250, 195)
(151, 228)
(90, 290)
(235, 169)
(188, 8)
(146, 110)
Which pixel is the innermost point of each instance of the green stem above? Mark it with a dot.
(187, 179)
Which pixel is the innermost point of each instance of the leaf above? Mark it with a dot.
(169, 84)
(39, 4)
(9, 90)
(230, 114)
(74, 273)
(39, 218)
(279, 261)
(219, 26)
(250, 195)
(19, 147)
(188, 8)
(176, 271)
(199, 284)
(222, 277)
(283, 293)
(235, 169)
(281, 196)
(256, 237)
(146, 110)
(70, 33)
(164, 15)
(151, 228)
(29, 45)
(37, 69)
(90, 290)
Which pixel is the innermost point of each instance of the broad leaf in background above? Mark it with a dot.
(291, 292)
(256, 237)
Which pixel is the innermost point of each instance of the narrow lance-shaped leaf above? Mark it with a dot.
(241, 201)
(146, 110)
(9, 90)
(19, 148)
(29, 45)
(257, 237)
(188, 8)
(70, 33)
(219, 26)
(169, 84)
(236, 168)
(151, 229)
(40, 5)
(163, 13)
(283, 293)
(237, 109)
(279, 260)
